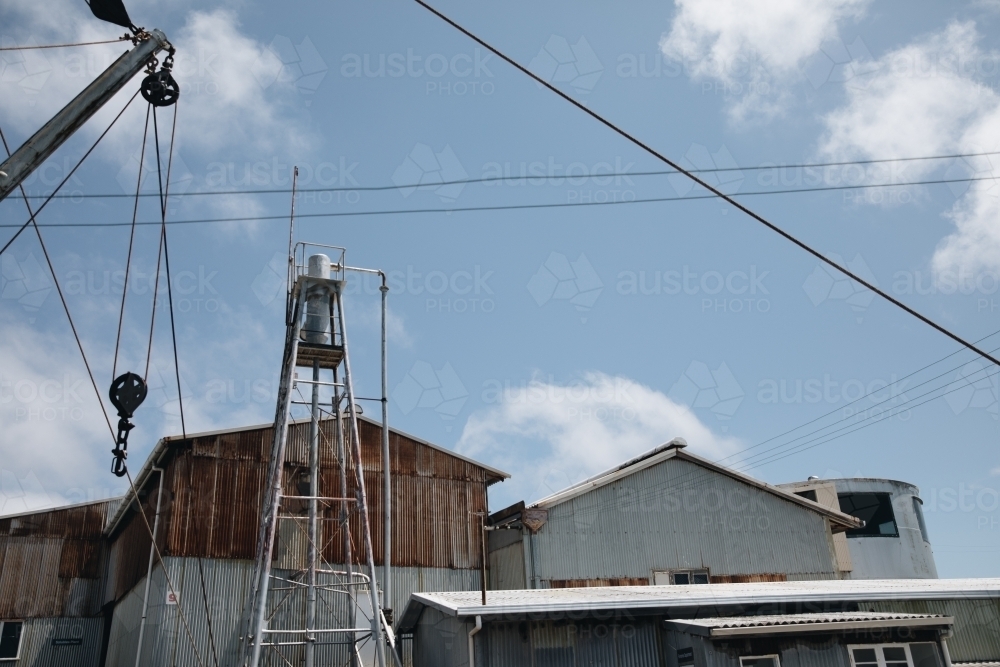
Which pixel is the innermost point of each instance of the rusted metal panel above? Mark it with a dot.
(213, 491)
(747, 578)
(593, 583)
(50, 562)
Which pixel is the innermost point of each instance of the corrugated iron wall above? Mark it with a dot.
(225, 591)
(50, 562)
(213, 492)
(39, 648)
(679, 515)
(977, 624)
(620, 643)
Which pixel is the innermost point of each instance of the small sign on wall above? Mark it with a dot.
(685, 656)
(70, 641)
(172, 597)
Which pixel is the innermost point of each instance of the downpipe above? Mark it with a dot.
(149, 567)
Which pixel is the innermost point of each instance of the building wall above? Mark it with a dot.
(212, 594)
(977, 624)
(51, 562)
(622, 642)
(676, 515)
(441, 641)
(905, 557)
(37, 649)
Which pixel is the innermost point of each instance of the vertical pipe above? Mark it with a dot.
(313, 536)
(345, 525)
(472, 642)
(362, 496)
(387, 467)
(482, 571)
(149, 566)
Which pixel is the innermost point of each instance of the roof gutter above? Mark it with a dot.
(152, 462)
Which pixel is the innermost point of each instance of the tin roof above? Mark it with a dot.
(675, 449)
(746, 626)
(513, 602)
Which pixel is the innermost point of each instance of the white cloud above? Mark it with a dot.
(51, 426)
(754, 44)
(926, 98)
(549, 435)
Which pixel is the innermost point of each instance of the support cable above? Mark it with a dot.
(125, 38)
(131, 241)
(62, 298)
(67, 177)
(164, 193)
(718, 193)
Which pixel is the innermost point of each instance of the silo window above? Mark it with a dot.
(875, 509)
(10, 639)
(918, 509)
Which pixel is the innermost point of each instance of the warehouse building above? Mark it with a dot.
(73, 581)
(835, 623)
(667, 517)
(894, 542)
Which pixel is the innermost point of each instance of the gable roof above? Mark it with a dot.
(162, 447)
(675, 450)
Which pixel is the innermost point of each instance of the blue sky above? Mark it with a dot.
(554, 342)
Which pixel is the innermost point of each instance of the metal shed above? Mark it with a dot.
(643, 625)
(667, 516)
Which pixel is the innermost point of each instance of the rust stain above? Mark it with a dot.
(594, 583)
(746, 578)
(214, 490)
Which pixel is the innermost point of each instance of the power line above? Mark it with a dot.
(513, 207)
(756, 216)
(860, 398)
(505, 179)
(881, 418)
(124, 38)
(66, 178)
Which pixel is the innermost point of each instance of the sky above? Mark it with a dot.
(550, 342)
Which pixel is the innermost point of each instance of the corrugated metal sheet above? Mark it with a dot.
(977, 624)
(213, 490)
(50, 562)
(619, 643)
(507, 567)
(676, 515)
(37, 637)
(226, 588)
(593, 583)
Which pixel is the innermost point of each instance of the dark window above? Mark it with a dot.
(925, 654)
(760, 661)
(918, 508)
(682, 578)
(700, 577)
(10, 639)
(895, 656)
(865, 657)
(875, 509)
(808, 495)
